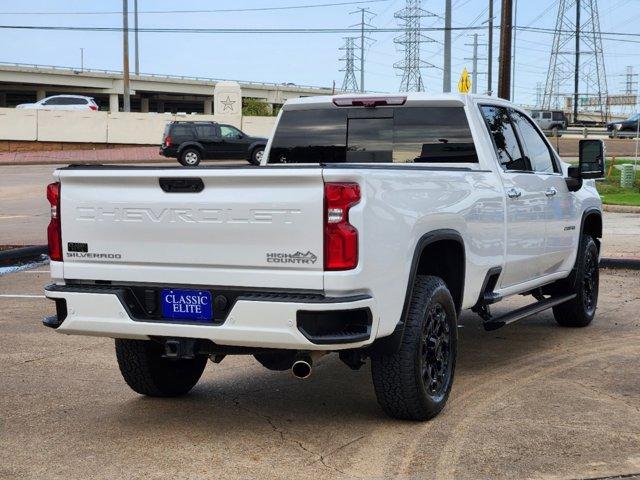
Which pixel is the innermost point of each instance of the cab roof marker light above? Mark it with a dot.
(369, 102)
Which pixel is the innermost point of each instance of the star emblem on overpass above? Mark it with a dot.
(227, 104)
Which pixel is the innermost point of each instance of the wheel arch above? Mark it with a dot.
(591, 224)
(440, 253)
(254, 145)
(185, 145)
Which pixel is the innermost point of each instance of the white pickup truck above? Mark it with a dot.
(370, 225)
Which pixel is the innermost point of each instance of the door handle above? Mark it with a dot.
(550, 192)
(513, 193)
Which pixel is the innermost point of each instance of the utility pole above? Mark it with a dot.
(81, 59)
(446, 77)
(363, 39)
(490, 52)
(135, 28)
(504, 66)
(475, 73)
(576, 69)
(513, 62)
(126, 100)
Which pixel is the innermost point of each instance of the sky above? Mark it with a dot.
(304, 59)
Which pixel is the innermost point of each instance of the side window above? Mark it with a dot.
(54, 101)
(546, 115)
(227, 131)
(534, 145)
(206, 132)
(504, 138)
(181, 133)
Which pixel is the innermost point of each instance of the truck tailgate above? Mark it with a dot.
(247, 227)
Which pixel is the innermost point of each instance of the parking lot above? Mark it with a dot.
(530, 400)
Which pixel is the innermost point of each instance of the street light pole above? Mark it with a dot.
(135, 29)
(81, 59)
(490, 51)
(126, 102)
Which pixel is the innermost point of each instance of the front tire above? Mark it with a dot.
(580, 311)
(414, 382)
(147, 373)
(190, 157)
(256, 156)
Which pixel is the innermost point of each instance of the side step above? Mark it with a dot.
(526, 311)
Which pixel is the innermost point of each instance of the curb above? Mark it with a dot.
(620, 208)
(15, 255)
(621, 263)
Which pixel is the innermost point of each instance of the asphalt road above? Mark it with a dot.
(531, 400)
(24, 213)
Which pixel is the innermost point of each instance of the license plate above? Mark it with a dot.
(187, 304)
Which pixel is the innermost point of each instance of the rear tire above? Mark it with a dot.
(580, 311)
(414, 382)
(147, 373)
(256, 156)
(190, 157)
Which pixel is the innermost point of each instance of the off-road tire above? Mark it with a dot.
(399, 379)
(189, 153)
(147, 373)
(580, 311)
(256, 157)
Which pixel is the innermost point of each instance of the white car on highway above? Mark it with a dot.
(62, 102)
(372, 223)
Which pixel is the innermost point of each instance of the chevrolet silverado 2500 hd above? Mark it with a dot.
(370, 225)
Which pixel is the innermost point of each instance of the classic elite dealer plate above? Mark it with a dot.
(187, 304)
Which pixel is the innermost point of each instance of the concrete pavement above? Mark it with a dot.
(531, 400)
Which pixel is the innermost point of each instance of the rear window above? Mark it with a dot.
(381, 135)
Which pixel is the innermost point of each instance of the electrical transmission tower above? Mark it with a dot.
(349, 84)
(630, 91)
(576, 64)
(539, 94)
(410, 19)
(365, 16)
(474, 72)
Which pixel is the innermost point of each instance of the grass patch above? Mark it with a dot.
(613, 194)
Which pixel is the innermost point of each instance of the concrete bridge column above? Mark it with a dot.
(228, 102)
(3, 100)
(40, 94)
(208, 106)
(144, 104)
(113, 102)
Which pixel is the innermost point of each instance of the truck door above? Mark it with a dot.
(525, 201)
(560, 208)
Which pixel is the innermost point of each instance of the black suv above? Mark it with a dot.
(191, 142)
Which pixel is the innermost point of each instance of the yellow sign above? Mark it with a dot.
(464, 84)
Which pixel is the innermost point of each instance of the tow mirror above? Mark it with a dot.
(590, 160)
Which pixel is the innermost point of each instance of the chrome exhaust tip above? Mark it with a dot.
(302, 368)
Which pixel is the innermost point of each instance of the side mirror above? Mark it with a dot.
(591, 160)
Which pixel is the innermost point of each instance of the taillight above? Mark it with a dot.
(167, 141)
(93, 107)
(54, 232)
(340, 237)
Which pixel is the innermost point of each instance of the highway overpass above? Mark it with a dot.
(24, 83)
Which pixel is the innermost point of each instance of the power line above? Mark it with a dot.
(217, 10)
(260, 31)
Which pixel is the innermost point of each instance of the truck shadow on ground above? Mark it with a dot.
(230, 394)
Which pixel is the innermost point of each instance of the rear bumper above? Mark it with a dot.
(169, 152)
(279, 321)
